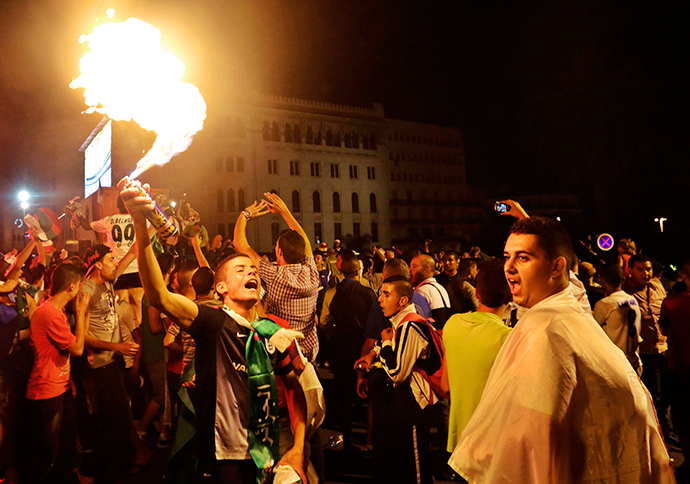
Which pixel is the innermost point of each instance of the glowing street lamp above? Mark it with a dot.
(661, 223)
(23, 196)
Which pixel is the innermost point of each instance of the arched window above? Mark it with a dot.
(372, 141)
(316, 200)
(310, 135)
(329, 138)
(355, 203)
(240, 199)
(355, 140)
(220, 201)
(348, 140)
(336, 139)
(267, 131)
(295, 201)
(296, 134)
(275, 132)
(365, 142)
(372, 203)
(231, 200)
(336, 202)
(288, 133)
(317, 138)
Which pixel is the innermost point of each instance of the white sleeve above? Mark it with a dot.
(399, 358)
(102, 225)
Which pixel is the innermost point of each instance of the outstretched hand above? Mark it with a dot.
(257, 209)
(275, 204)
(514, 209)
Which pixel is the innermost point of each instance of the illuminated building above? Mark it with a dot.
(342, 170)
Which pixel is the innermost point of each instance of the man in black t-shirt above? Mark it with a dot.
(222, 382)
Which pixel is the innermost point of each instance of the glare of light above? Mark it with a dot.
(110, 12)
(23, 196)
(173, 204)
(558, 218)
(126, 75)
(661, 221)
(672, 267)
(25, 205)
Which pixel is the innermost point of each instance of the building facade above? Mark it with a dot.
(343, 171)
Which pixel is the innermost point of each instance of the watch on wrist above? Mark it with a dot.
(247, 214)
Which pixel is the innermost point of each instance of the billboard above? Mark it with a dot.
(97, 160)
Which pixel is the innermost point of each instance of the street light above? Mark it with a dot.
(23, 196)
(661, 223)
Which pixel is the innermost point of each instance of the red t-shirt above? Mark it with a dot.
(50, 337)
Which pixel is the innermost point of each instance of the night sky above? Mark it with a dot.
(583, 97)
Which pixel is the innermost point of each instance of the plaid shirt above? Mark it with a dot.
(292, 293)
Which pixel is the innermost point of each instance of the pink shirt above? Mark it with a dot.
(50, 337)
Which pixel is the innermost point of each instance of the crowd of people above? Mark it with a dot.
(531, 366)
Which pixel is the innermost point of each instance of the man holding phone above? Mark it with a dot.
(562, 404)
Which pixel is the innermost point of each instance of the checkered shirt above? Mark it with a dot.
(292, 292)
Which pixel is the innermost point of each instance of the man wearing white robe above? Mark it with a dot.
(562, 404)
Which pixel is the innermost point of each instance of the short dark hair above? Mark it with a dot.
(64, 275)
(166, 262)
(450, 253)
(403, 287)
(202, 281)
(638, 258)
(222, 268)
(612, 274)
(465, 266)
(293, 246)
(33, 274)
(350, 265)
(492, 286)
(551, 236)
(184, 276)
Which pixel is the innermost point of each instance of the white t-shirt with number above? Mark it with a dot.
(119, 230)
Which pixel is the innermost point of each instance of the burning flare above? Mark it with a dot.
(127, 76)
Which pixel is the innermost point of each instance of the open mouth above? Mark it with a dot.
(253, 285)
(514, 286)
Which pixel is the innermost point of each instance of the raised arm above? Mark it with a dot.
(126, 260)
(22, 257)
(239, 240)
(42, 256)
(275, 204)
(200, 257)
(81, 328)
(514, 209)
(177, 306)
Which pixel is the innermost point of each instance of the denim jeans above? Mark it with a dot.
(53, 438)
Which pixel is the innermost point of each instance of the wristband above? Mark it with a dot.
(247, 214)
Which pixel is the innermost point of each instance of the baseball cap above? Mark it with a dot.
(94, 254)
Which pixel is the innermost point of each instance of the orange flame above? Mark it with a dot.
(127, 76)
